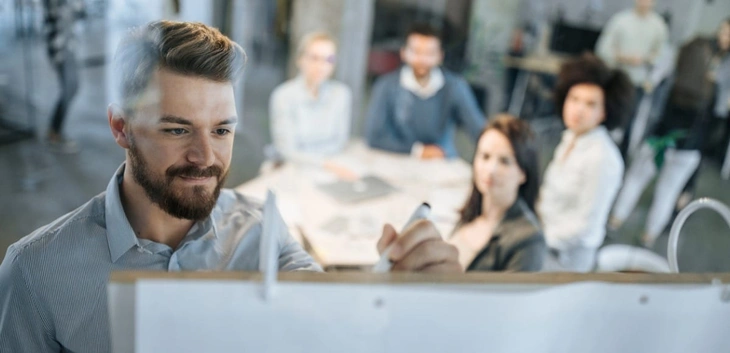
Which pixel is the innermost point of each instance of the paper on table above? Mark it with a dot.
(445, 172)
(347, 238)
(432, 172)
(318, 175)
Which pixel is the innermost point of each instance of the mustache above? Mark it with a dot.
(191, 171)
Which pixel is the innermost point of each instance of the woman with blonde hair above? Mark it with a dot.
(310, 114)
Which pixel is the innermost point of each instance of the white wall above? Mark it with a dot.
(122, 15)
(196, 11)
(576, 11)
(711, 16)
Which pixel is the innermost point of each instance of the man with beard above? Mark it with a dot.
(416, 109)
(164, 208)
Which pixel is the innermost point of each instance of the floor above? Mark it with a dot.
(37, 185)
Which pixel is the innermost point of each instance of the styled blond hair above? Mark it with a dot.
(312, 37)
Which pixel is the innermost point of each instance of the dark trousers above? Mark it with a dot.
(629, 124)
(698, 123)
(68, 77)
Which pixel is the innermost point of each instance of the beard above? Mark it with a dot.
(421, 71)
(192, 203)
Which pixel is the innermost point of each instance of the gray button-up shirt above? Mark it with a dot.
(53, 281)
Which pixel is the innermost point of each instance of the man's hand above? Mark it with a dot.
(432, 152)
(420, 249)
(340, 171)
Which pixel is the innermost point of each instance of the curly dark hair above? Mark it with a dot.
(520, 135)
(617, 88)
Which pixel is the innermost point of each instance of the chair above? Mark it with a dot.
(627, 258)
(693, 206)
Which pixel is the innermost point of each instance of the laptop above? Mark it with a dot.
(573, 40)
(365, 188)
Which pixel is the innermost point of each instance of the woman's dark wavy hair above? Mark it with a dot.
(520, 135)
(617, 88)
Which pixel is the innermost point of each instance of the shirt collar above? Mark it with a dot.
(588, 136)
(119, 232)
(409, 82)
(303, 84)
(121, 236)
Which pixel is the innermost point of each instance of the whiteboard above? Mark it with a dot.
(176, 315)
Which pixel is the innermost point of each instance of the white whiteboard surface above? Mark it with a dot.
(231, 316)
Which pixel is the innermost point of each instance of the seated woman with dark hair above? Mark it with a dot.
(585, 173)
(498, 230)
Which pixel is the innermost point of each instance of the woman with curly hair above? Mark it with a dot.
(498, 230)
(585, 173)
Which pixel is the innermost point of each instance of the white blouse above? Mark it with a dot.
(305, 128)
(579, 189)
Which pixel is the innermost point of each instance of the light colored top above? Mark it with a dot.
(579, 189)
(53, 281)
(435, 82)
(305, 128)
(627, 33)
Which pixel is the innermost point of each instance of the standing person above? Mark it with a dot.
(164, 208)
(582, 179)
(720, 75)
(699, 95)
(498, 230)
(311, 114)
(60, 18)
(416, 109)
(632, 41)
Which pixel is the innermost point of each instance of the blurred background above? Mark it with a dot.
(483, 40)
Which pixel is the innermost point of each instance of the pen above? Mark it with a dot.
(384, 264)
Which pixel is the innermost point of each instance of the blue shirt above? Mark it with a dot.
(397, 118)
(53, 281)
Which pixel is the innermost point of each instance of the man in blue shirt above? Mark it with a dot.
(164, 208)
(417, 108)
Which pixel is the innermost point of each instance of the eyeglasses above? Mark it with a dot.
(331, 59)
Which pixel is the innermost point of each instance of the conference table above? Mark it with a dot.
(340, 234)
